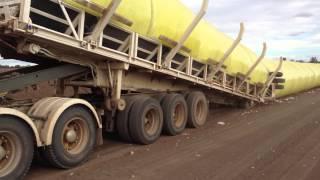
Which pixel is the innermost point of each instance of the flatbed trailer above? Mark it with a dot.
(139, 87)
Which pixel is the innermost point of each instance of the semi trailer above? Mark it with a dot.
(139, 86)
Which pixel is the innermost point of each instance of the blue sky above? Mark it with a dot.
(291, 28)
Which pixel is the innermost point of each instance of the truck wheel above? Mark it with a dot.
(123, 119)
(16, 148)
(197, 109)
(74, 138)
(175, 112)
(145, 121)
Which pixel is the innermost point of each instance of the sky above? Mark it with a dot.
(11, 62)
(291, 28)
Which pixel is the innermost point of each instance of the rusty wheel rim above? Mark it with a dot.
(75, 136)
(179, 115)
(151, 122)
(200, 112)
(10, 152)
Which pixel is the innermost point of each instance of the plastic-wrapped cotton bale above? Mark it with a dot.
(170, 18)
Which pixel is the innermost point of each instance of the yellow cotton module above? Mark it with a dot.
(170, 18)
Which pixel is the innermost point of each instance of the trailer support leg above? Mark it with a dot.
(113, 100)
(117, 94)
(114, 76)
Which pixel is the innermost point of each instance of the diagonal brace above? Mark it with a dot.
(271, 78)
(187, 33)
(253, 67)
(104, 20)
(228, 53)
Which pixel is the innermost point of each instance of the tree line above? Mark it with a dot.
(313, 59)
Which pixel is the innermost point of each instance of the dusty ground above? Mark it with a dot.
(275, 141)
(5, 69)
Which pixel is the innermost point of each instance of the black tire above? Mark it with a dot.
(198, 109)
(141, 131)
(160, 97)
(123, 119)
(186, 94)
(279, 80)
(279, 86)
(56, 153)
(15, 134)
(175, 113)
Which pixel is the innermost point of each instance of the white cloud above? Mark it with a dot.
(11, 62)
(290, 27)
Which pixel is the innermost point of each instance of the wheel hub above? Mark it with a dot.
(75, 135)
(3, 153)
(10, 152)
(71, 136)
(178, 115)
(151, 122)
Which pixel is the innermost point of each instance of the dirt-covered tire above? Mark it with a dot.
(279, 80)
(74, 138)
(175, 113)
(146, 121)
(160, 97)
(186, 94)
(122, 122)
(16, 148)
(198, 109)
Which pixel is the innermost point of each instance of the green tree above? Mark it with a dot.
(314, 60)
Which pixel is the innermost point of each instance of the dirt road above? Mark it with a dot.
(275, 141)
